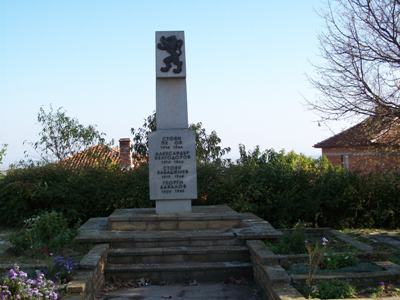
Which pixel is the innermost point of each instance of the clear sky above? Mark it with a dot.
(246, 66)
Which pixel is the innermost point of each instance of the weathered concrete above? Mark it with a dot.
(178, 254)
(173, 206)
(209, 291)
(393, 242)
(206, 245)
(89, 278)
(391, 272)
(356, 244)
(172, 151)
(180, 272)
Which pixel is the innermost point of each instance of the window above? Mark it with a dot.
(345, 161)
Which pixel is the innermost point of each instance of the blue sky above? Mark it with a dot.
(246, 66)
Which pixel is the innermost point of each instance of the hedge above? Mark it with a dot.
(281, 188)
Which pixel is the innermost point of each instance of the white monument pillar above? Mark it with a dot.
(172, 156)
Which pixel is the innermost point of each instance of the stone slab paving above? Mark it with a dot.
(388, 240)
(208, 291)
(388, 237)
(356, 244)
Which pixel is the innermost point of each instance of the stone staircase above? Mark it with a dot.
(208, 244)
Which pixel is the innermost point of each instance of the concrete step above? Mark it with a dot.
(208, 291)
(160, 239)
(179, 272)
(202, 218)
(178, 254)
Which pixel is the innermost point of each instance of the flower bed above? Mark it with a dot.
(360, 280)
(344, 289)
(386, 245)
(17, 285)
(292, 241)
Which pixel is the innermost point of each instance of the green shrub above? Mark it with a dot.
(78, 194)
(43, 234)
(277, 186)
(334, 289)
(335, 261)
(291, 242)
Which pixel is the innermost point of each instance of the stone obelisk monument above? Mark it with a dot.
(172, 156)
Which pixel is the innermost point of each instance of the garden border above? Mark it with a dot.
(89, 278)
(275, 282)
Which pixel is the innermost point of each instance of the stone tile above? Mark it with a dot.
(93, 257)
(287, 292)
(76, 287)
(356, 244)
(209, 291)
(276, 274)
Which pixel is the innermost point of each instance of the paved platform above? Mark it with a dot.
(207, 245)
(209, 291)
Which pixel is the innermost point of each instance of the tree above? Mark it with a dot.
(3, 150)
(62, 136)
(360, 49)
(140, 136)
(208, 149)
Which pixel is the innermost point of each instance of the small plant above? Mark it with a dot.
(334, 289)
(42, 235)
(17, 285)
(291, 243)
(315, 255)
(335, 261)
(380, 290)
(385, 290)
(63, 268)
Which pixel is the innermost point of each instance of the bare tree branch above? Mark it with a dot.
(360, 71)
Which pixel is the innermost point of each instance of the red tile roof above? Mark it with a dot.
(96, 156)
(373, 131)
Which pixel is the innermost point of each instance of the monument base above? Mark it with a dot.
(173, 206)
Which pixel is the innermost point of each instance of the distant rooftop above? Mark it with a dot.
(373, 131)
(100, 156)
(96, 156)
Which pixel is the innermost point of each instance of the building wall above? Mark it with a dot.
(364, 159)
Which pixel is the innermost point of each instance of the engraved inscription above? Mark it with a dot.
(171, 162)
(173, 165)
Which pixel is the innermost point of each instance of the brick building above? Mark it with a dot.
(370, 146)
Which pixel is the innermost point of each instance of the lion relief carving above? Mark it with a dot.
(173, 46)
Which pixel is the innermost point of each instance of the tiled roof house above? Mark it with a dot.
(372, 145)
(103, 155)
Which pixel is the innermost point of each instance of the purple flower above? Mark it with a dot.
(12, 274)
(66, 264)
(22, 274)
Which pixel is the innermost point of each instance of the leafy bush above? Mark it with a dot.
(291, 242)
(17, 285)
(335, 261)
(78, 194)
(43, 234)
(334, 289)
(277, 186)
